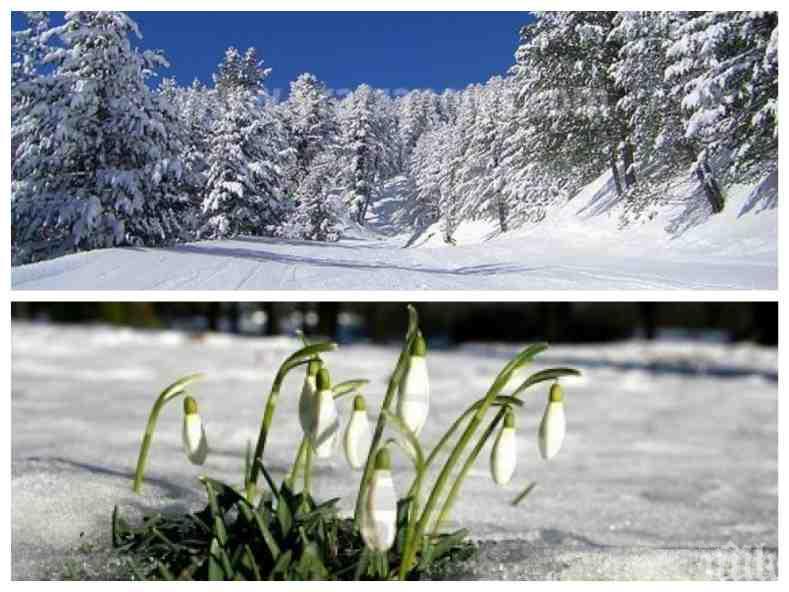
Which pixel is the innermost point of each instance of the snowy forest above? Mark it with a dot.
(107, 151)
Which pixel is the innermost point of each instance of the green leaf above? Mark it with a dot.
(255, 518)
(269, 480)
(165, 572)
(120, 529)
(282, 564)
(216, 561)
(522, 495)
(361, 566)
(284, 517)
(217, 516)
(248, 561)
(447, 542)
(310, 565)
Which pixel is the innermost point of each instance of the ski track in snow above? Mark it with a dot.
(572, 249)
(270, 264)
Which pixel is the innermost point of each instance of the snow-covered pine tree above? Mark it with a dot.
(484, 170)
(28, 48)
(310, 120)
(654, 112)
(94, 165)
(243, 186)
(319, 214)
(417, 114)
(362, 149)
(196, 106)
(455, 163)
(569, 97)
(425, 166)
(724, 67)
(388, 124)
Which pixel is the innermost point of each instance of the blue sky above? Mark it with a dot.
(389, 50)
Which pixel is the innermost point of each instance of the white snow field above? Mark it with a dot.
(669, 469)
(580, 245)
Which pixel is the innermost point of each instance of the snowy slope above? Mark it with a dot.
(579, 246)
(671, 447)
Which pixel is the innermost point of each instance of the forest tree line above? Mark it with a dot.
(102, 156)
(444, 323)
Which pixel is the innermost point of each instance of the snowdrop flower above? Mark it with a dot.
(307, 398)
(503, 456)
(357, 435)
(413, 403)
(553, 425)
(193, 434)
(325, 422)
(379, 514)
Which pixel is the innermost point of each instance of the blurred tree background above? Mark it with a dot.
(446, 323)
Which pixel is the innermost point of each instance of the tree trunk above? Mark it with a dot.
(628, 158)
(502, 207)
(615, 172)
(711, 188)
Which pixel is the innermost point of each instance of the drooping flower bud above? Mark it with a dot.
(553, 425)
(504, 455)
(413, 403)
(307, 398)
(379, 514)
(193, 433)
(326, 423)
(357, 435)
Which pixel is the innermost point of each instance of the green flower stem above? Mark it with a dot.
(300, 358)
(171, 392)
(536, 378)
(294, 473)
(394, 382)
(498, 385)
(472, 457)
(308, 470)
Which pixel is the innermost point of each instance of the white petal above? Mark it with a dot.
(413, 404)
(379, 525)
(503, 457)
(307, 404)
(552, 430)
(194, 438)
(326, 425)
(357, 440)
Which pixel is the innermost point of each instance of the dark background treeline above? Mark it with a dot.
(446, 323)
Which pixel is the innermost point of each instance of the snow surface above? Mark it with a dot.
(671, 451)
(581, 245)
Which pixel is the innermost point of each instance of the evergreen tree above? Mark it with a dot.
(724, 67)
(363, 149)
(243, 187)
(570, 98)
(309, 116)
(95, 165)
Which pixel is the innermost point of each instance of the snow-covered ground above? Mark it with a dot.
(579, 246)
(671, 451)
